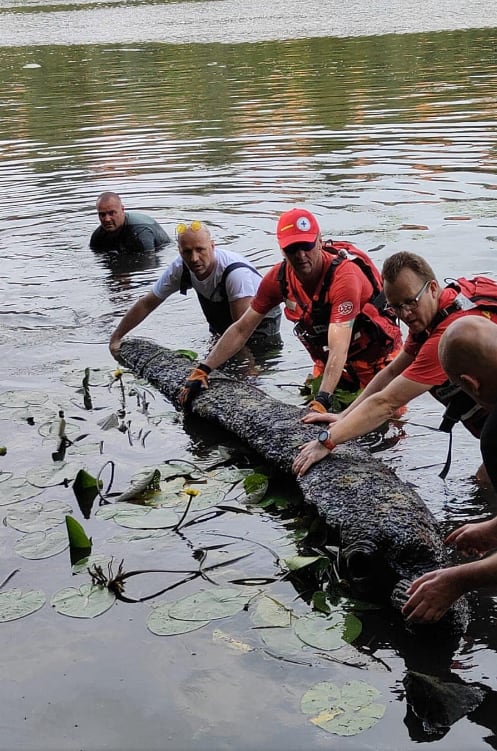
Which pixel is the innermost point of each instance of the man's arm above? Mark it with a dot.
(370, 414)
(233, 338)
(135, 315)
(239, 306)
(339, 335)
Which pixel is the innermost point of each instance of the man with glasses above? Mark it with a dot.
(224, 282)
(123, 231)
(427, 309)
(335, 302)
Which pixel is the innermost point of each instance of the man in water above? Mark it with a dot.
(468, 354)
(225, 284)
(427, 309)
(123, 231)
(334, 302)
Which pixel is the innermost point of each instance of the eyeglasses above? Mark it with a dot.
(409, 305)
(195, 226)
(290, 250)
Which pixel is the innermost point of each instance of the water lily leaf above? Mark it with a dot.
(141, 517)
(16, 489)
(37, 517)
(141, 534)
(86, 488)
(346, 711)
(209, 603)
(16, 604)
(110, 510)
(82, 566)
(109, 422)
(222, 638)
(269, 612)
(148, 485)
(37, 545)
(175, 468)
(231, 475)
(88, 601)
(79, 543)
(59, 473)
(189, 353)
(16, 399)
(5, 476)
(97, 376)
(53, 428)
(301, 561)
(255, 487)
(281, 641)
(327, 632)
(161, 623)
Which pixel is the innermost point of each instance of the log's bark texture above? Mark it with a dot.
(386, 535)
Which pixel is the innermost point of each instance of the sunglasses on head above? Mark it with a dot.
(181, 228)
(290, 250)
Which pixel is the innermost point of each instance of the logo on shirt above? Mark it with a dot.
(345, 308)
(290, 304)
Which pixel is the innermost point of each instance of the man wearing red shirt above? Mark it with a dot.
(337, 306)
(427, 309)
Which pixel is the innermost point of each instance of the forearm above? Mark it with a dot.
(135, 315)
(232, 340)
(479, 574)
(367, 416)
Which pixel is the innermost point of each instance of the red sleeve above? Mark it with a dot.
(268, 294)
(348, 293)
(426, 368)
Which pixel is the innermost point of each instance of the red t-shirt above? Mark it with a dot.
(426, 368)
(349, 291)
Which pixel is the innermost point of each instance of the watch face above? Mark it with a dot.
(323, 436)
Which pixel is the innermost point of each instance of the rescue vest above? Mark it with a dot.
(375, 332)
(480, 293)
(218, 314)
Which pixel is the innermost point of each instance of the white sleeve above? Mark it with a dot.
(242, 282)
(169, 281)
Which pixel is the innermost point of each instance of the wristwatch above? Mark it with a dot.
(324, 438)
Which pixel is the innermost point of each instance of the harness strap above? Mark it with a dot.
(186, 278)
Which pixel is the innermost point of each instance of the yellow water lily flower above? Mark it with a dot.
(191, 491)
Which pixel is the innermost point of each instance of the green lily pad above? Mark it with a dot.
(255, 486)
(231, 475)
(56, 474)
(281, 641)
(16, 604)
(268, 612)
(82, 566)
(16, 489)
(88, 601)
(37, 517)
(209, 604)
(343, 711)
(141, 517)
(17, 399)
(328, 632)
(37, 545)
(161, 623)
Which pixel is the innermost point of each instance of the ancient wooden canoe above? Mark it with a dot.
(385, 533)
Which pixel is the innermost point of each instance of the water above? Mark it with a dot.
(188, 112)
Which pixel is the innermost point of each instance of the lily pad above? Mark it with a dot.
(88, 601)
(255, 486)
(16, 489)
(161, 623)
(37, 545)
(140, 517)
(16, 399)
(268, 612)
(57, 474)
(37, 517)
(82, 566)
(16, 604)
(281, 641)
(343, 711)
(210, 604)
(328, 632)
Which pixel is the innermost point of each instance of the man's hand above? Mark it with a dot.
(432, 594)
(310, 453)
(115, 346)
(196, 381)
(474, 539)
(321, 402)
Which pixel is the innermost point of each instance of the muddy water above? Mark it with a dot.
(390, 140)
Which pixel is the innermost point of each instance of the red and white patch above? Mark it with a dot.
(345, 308)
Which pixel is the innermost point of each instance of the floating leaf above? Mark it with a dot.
(320, 602)
(20, 398)
(88, 601)
(146, 486)
(255, 487)
(189, 353)
(328, 632)
(140, 517)
(222, 638)
(16, 489)
(281, 641)
(61, 473)
(231, 475)
(302, 561)
(16, 604)
(161, 623)
(37, 517)
(209, 603)
(38, 545)
(269, 612)
(346, 711)
(86, 488)
(79, 543)
(109, 422)
(82, 566)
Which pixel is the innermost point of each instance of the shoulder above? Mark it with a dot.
(225, 258)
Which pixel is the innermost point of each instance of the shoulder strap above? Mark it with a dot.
(185, 281)
(221, 287)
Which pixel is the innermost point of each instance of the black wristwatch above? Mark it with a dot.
(324, 438)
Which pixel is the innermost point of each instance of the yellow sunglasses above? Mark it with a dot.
(181, 228)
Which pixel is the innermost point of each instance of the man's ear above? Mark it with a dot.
(470, 384)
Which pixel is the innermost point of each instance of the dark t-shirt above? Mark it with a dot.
(138, 233)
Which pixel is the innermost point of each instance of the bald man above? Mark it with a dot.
(123, 231)
(468, 354)
(224, 282)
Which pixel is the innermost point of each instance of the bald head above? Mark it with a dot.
(468, 354)
(110, 211)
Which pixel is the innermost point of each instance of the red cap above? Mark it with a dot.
(296, 226)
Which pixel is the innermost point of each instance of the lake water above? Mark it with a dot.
(380, 120)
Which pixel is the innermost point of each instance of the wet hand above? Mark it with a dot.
(195, 383)
(431, 595)
(313, 416)
(309, 454)
(474, 539)
(115, 346)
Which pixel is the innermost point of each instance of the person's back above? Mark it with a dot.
(123, 231)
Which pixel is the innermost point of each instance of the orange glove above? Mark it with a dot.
(321, 403)
(196, 381)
